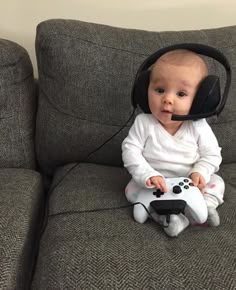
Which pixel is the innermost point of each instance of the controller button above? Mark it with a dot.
(181, 183)
(191, 184)
(177, 189)
(158, 192)
(186, 187)
(186, 180)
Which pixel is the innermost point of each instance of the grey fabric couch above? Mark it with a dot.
(64, 219)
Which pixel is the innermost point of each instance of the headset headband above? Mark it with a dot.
(199, 49)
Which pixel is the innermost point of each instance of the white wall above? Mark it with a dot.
(19, 18)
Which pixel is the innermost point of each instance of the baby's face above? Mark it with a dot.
(171, 91)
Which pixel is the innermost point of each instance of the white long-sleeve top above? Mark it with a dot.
(149, 150)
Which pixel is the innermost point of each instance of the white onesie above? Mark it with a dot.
(149, 150)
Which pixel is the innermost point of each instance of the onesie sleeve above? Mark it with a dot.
(132, 149)
(209, 150)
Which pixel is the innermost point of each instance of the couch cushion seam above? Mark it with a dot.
(49, 36)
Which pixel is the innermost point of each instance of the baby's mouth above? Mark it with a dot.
(166, 111)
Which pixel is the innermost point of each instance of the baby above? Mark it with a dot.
(158, 147)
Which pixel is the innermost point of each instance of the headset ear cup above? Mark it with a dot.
(141, 91)
(208, 96)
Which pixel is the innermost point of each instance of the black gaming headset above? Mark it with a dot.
(208, 100)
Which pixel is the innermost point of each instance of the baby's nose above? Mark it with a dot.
(167, 99)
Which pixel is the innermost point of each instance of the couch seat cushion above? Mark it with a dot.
(107, 249)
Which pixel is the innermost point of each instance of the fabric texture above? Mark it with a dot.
(21, 196)
(86, 73)
(17, 107)
(21, 188)
(107, 249)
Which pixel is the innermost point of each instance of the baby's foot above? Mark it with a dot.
(176, 225)
(213, 219)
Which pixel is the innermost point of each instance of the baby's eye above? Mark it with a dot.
(181, 94)
(160, 90)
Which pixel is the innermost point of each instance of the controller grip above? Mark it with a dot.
(200, 216)
(140, 214)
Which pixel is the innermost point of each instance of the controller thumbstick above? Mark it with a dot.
(177, 189)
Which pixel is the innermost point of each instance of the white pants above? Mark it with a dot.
(213, 192)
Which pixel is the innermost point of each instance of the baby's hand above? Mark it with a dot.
(158, 182)
(198, 180)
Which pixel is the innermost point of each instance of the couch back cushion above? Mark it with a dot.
(17, 107)
(86, 73)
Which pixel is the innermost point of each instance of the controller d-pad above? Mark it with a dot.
(177, 189)
(158, 192)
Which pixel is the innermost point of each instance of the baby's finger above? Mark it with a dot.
(163, 186)
(195, 180)
(202, 182)
(201, 186)
(156, 183)
(148, 183)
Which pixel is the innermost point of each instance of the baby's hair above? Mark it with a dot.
(183, 57)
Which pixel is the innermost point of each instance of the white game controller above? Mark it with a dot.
(180, 188)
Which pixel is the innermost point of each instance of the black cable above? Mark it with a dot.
(92, 152)
(48, 195)
(101, 209)
(46, 214)
(164, 225)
